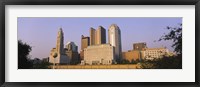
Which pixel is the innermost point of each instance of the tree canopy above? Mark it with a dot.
(23, 55)
(175, 35)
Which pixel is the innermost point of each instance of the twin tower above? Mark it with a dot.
(98, 36)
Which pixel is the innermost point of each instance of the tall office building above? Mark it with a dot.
(59, 43)
(100, 35)
(92, 36)
(85, 42)
(61, 57)
(114, 38)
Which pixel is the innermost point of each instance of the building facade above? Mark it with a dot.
(153, 53)
(139, 46)
(131, 55)
(99, 54)
(85, 42)
(114, 38)
(100, 35)
(92, 36)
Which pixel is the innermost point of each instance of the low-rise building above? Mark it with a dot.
(99, 54)
(131, 55)
(152, 53)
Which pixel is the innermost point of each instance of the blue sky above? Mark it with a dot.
(41, 32)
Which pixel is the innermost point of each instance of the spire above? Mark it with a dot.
(60, 28)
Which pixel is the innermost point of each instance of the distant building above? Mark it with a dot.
(100, 35)
(85, 42)
(131, 55)
(114, 38)
(99, 54)
(71, 46)
(61, 57)
(71, 50)
(152, 53)
(139, 46)
(92, 36)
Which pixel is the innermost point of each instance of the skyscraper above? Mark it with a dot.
(61, 57)
(92, 36)
(59, 43)
(100, 35)
(114, 38)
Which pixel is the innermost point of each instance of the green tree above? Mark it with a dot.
(173, 62)
(175, 35)
(24, 61)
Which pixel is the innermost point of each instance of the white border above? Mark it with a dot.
(187, 74)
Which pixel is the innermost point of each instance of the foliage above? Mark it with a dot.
(173, 62)
(175, 35)
(41, 65)
(24, 61)
(135, 61)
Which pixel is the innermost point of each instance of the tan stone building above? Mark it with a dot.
(139, 46)
(99, 54)
(92, 36)
(131, 55)
(85, 42)
(61, 57)
(152, 53)
(67, 55)
(100, 35)
(97, 36)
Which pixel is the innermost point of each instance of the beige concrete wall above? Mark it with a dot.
(99, 54)
(128, 66)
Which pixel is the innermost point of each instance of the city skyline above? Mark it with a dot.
(29, 31)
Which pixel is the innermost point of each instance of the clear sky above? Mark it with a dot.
(41, 33)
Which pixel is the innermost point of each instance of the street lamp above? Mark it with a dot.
(54, 56)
